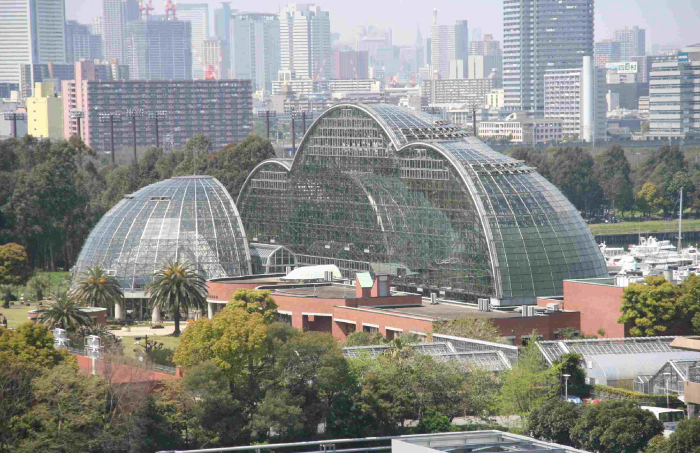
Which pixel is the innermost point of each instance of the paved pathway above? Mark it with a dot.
(140, 331)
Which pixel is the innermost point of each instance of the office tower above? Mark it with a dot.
(97, 27)
(255, 48)
(305, 40)
(632, 42)
(116, 14)
(577, 97)
(462, 91)
(30, 74)
(428, 51)
(215, 59)
(159, 49)
(488, 46)
(81, 44)
(198, 15)
(350, 64)
(31, 31)
(674, 111)
(606, 51)
(539, 35)
(225, 117)
(461, 40)
(222, 21)
(476, 34)
(420, 50)
(482, 66)
(45, 112)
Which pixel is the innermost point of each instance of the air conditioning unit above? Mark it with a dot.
(433, 299)
(328, 276)
(484, 304)
(554, 306)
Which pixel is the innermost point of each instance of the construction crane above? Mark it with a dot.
(145, 9)
(170, 7)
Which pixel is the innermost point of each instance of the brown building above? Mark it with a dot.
(370, 306)
(350, 64)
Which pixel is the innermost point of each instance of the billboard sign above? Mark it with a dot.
(623, 67)
(683, 56)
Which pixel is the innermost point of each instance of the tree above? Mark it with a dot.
(470, 327)
(434, 422)
(64, 313)
(255, 301)
(39, 284)
(553, 421)
(689, 304)
(686, 437)
(534, 157)
(529, 384)
(615, 427)
(364, 339)
(650, 308)
(232, 164)
(646, 197)
(572, 173)
(95, 288)
(177, 287)
(612, 170)
(572, 364)
(14, 268)
(30, 345)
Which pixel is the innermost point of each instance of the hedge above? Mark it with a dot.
(606, 392)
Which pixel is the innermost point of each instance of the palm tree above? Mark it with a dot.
(96, 288)
(177, 287)
(64, 313)
(39, 284)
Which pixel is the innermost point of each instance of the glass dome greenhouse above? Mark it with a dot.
(190, 219)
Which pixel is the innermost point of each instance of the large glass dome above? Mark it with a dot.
(190, 218)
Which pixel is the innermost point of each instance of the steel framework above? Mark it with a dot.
(384, 189)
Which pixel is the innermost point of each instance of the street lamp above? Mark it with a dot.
(566, 386)
(267, 114)
(14, 116)
(158, 114)
(667, 376)
(111, 118)
(133, 114)
(77, 115)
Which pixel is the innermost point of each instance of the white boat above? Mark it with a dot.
(610, 252)
(650, 247)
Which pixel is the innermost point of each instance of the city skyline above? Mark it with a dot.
(670, 23)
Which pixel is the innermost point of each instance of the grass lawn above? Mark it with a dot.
(16, 315)
(650, 226)
(169, 342)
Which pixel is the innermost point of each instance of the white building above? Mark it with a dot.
(577, 97)
(255, 48)
(632, 42)
(116, 14)
(31, 32)
(495, 99)
(447, 43)
(457, 91)
(305, 41)
(482, 66)
(97, 27)
(518, 128)
(198, 15)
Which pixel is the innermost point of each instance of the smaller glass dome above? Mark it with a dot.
(191, 219)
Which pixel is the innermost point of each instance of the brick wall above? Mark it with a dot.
(547, 326)
(362, 316)
(599, 306)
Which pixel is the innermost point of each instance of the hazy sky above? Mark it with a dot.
(666, 21)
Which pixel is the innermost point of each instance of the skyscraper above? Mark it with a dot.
(81, 44)
(488, 46)
(539, 35)
(448, 42)
(97, 27)
(116, 14)
(606, 51)
(31, 31)
(632, 42)
(305, 39)
(198, 15)
(255, 48)
(222, 21)
(159, 49)
(461, 40)
(420, 50)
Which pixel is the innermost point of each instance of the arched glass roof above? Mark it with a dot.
(382, 187)
(190, 218)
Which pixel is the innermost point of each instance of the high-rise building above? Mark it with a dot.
(461, 40)
(606, 51)
(674, 112)
(215, 58)
(198, 15)
(255, 48)
(632, 42)
(219, 109)
(81, 44)
(539, 35)
(483, 66)
(305, 40)
(457, 91)
(159, 49)
(420, 50)
(488, 46)
(350, 64)
(45, 112)
(31, 74)
(577, 98)
(31, 32)
(97, 27)
(116, 14)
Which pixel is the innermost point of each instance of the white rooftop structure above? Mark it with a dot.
(314, 273)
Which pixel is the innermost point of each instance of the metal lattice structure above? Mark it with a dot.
(552, 350)
(191, 219)
(490, 360)
(271, 259)
(384, 189)
(672, 376)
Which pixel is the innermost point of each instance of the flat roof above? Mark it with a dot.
(261, 279)
(449, 311)
(326, 291)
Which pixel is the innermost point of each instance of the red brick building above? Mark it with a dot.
(370, 306)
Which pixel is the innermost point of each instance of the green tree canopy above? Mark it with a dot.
(572, 173)
(255, 301)
(14, 264)
(176, 287)
(612, 170)
(650, 308)
(553, 421)
(65, 313)
(470, 327)
(95, 288)
(30, 345)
